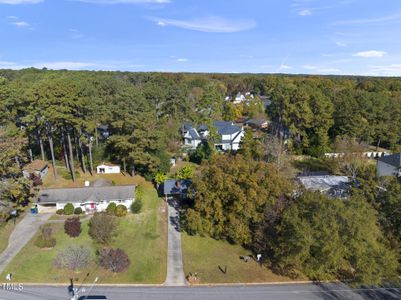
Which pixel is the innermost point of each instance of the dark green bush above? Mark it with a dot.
(111, 208)
(121, 211)
(78, 211)
(69, 209)
(60, 211)
(136, 206)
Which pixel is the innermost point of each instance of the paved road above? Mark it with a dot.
(21, 235)
(279, 292)
(175, 270)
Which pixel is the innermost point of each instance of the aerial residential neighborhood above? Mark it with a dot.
(167, 149)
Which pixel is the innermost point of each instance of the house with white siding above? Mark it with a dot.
(389, 165)
(90, 199)
(230, 135)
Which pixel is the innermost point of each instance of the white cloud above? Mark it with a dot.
(310, 67)
(384, 19)
(21, 24)
(371, 53)
(341, 44)
(12, 17)
(304, 12)
(284, 67)
(182, 59)
(211, 24)
(75, 34)
(124, 1)
(70, 65)
(386, 70)
(14, 2)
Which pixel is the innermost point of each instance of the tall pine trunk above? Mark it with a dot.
(90, 157)
(96, 137)
(63, 142)
(81, 151)
(52, 154)
(30, 155)
(42, 150)
(71, 157)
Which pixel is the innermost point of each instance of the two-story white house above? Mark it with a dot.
(389, 165)
(230, 135)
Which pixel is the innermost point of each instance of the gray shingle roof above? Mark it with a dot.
(394, 159)
(194, 134)
(85, 194)
(171, 186)
(226, 127)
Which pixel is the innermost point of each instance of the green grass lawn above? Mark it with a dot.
(5, 231)
(204, 255)
(143, 237)
(60, 182)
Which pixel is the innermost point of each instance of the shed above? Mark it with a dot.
(105, 168)
(37, 167)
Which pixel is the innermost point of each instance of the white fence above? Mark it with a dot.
(371, 154)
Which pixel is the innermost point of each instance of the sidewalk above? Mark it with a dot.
(21, 235)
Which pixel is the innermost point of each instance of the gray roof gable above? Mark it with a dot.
(85, 194)
(226, 127)
(394, 160)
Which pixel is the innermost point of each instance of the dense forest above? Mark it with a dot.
(245, 197)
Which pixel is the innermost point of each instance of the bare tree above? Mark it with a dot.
(74, 257)
(115, 260)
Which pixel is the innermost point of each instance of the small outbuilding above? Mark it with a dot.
(108, 169)
(176, 188)
(38, 168)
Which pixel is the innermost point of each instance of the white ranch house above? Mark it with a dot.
(108, 169)
(90, 199)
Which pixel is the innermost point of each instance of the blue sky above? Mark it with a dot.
(260, 36)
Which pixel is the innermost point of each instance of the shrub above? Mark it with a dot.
(73, 258)
(139, 192)
(45, 239)
(111, 208)
(69, 209)
(136, 206)
(72, 227)
(60, 211)
(78, 211)
(185, 173)
(114, 260)
(102, 227)
(121, 211)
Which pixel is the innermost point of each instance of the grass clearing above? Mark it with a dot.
(204, 255)
(143, 237)
(5, 232)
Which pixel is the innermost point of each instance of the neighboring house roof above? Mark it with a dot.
(87, 194)
(36, 166)
(394, 160)
(203, 128)
(176, 187)
(226, 127)
(256, 122)
(335, 186)
(194, 134)
(186, 126)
